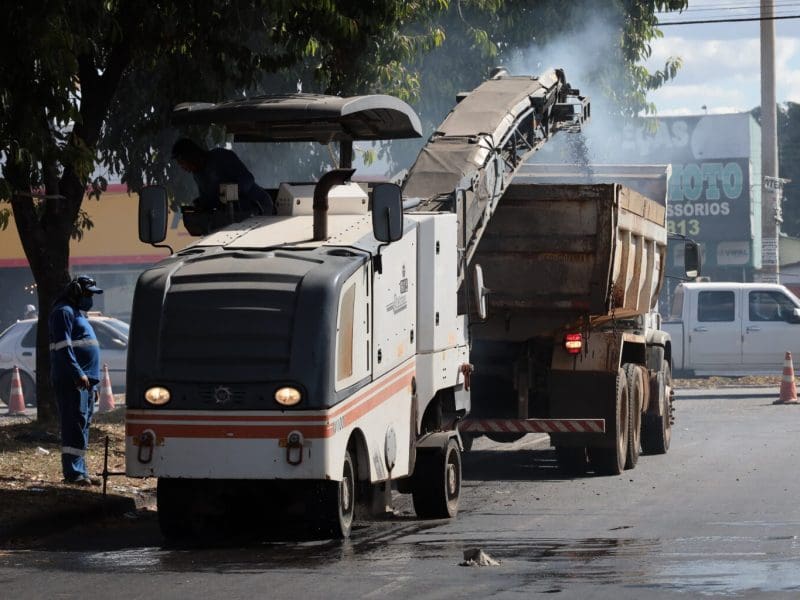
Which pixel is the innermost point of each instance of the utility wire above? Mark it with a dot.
(732, 20)
(734, 5)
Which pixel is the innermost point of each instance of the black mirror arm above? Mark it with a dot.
(167, 246)
(377, 260)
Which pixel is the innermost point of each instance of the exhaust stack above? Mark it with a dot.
(324, 185)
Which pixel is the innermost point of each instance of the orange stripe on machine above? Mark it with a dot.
(322, 424)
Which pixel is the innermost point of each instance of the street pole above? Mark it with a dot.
(770, 194)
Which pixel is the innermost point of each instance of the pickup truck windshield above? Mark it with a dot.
(676, 310)
(769, 306)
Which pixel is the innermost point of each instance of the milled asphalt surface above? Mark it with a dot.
(92, 507)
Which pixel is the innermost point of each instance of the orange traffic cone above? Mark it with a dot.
(16, 401)
(106, 394)
(788, 389)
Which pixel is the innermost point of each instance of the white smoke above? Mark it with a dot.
(581, 54)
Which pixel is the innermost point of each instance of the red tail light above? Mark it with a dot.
(573, 342)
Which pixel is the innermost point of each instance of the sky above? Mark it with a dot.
(721, 61)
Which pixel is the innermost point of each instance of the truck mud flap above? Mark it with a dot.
(582, 395)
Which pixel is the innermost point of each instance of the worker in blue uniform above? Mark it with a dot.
(211, 168)
(75, 373)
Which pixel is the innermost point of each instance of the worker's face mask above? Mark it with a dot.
(85, 302)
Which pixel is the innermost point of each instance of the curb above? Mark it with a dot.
(741, 392)
(89, 509)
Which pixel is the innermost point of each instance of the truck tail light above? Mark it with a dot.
(573, 342)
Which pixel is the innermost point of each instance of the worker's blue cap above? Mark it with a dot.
(88, 284)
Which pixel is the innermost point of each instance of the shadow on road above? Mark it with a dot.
(512, 465)
(39, 511)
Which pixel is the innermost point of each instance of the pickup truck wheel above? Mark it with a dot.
(611, 461)
(338, 502)
(633, 376)
(572, 461)
(657, 429)
(436, 484)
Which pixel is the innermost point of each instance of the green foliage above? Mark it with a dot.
(87, 87)
(93, 84)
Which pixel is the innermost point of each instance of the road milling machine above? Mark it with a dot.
(304, 361)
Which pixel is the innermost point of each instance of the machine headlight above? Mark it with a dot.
(288, 396)
(157, 396)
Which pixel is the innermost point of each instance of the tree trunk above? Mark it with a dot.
(44, 228)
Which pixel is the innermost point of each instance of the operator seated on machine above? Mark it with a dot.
(212, 170)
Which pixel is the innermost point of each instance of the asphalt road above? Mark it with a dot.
(718, 515)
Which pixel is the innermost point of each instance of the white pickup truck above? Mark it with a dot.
(732, 328)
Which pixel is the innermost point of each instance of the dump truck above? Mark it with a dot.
(307, 361)
(571, 265)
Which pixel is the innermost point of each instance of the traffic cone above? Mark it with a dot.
(788, 389)
(106, 394)
(16, 401)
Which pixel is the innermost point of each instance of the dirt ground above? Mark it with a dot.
(716, 382)
(30, 462)
(30, 470)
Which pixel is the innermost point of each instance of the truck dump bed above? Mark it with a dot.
(568, 242)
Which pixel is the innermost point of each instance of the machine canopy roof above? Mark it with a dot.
(305, 118)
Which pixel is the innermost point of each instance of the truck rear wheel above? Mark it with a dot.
(634, 379)
(657, 428)
(611, 461)
(338, 502)
(436, 483)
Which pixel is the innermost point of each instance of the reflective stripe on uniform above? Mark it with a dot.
(74, 343)
(73, 451)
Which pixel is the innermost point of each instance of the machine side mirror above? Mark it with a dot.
(480, 292)
(691, 259)
(794, 316)
(387, 212)
(153, 214)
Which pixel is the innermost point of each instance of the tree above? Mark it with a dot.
(519, 34)
(92, 84)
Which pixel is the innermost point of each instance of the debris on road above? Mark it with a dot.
(475, 557)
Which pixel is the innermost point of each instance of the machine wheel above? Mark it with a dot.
(338, 502)
(611, 461)
(633, 375)
(572, 461)
(436, 484)
(174, 498)
(657, 429)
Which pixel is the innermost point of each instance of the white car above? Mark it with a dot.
(18, 348)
